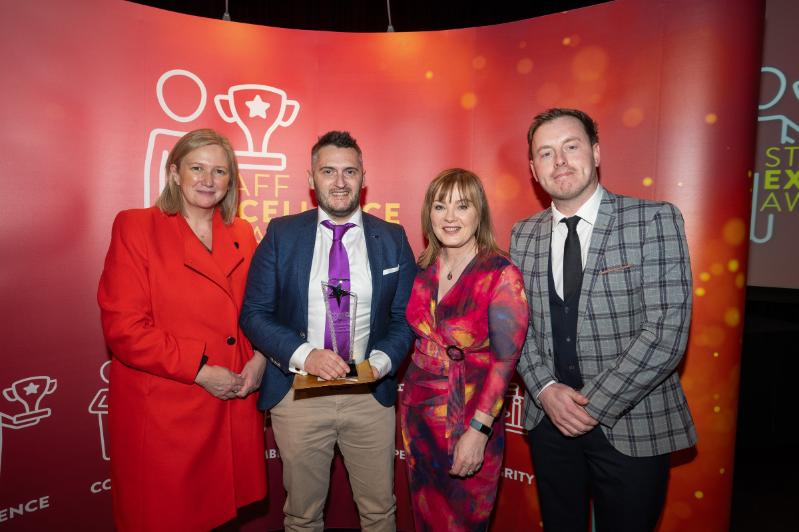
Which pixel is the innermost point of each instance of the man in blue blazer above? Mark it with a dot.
(285, 315)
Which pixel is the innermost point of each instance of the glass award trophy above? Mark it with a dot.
(340, 310)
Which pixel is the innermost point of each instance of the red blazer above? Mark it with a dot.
(180, 458)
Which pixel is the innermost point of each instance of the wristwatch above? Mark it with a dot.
(485, 429)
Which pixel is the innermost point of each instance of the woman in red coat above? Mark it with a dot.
(186, 439)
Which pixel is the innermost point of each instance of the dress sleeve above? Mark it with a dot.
(507, 328)
(126, 310)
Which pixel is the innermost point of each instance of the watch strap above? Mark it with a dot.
(481, 427)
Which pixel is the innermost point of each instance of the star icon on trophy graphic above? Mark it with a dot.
(257, 107)
(258, 110)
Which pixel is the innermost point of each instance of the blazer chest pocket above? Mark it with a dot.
(621, 286)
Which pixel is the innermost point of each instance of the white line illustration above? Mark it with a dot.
(258, 110)
(99, 407)
(29, 392)
(514, 403)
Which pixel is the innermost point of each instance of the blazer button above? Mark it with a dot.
(231, 340)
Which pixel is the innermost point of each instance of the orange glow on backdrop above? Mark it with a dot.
(97, 92)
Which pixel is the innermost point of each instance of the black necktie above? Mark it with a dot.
(572, 259)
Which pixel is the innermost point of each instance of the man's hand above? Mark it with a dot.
(219, 381)
(252, 373)
(326, 364)
(565, 407)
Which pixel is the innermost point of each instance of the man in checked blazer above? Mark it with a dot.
(608, 281)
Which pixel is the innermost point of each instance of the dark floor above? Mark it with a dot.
(765, 494)
(766, 485)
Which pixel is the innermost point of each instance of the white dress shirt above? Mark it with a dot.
(360, 283)
(585, 228)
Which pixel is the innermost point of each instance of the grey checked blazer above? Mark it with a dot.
(632, 325)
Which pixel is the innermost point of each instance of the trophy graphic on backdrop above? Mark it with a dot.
(29, 392)
(258, 110)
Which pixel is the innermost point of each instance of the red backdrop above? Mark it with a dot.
(95, 92)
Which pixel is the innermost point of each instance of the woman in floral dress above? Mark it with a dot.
(469, 312)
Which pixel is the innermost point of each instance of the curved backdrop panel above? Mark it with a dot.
(95, 94)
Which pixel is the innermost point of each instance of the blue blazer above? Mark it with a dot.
(274, 315)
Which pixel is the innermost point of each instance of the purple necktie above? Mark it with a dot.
(338, 302)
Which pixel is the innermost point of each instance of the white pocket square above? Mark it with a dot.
(391, 270)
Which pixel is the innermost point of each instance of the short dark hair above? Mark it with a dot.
(591, 129)
(339, 139)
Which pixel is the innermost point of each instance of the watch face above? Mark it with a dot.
(485, 429)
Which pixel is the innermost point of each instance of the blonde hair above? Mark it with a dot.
(471, 190)
(171, 199)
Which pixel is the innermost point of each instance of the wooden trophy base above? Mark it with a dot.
(365, 376)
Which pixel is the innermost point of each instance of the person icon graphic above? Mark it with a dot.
(99, 407)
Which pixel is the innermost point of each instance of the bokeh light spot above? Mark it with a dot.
(647, 181)
(717, 268)
(716, 409)
(632, 117)
(428, 74)
(711, 336)
(524, 66)
(740, 280)
(732, 317)
(733, 265)
(507, 188)
(715, 354)
(699, 495)
(590, 63)
(469, 100)
(704, 277)
(711, 118)
(722, 471)
(734, 231)
(700, 292)
(567, 41)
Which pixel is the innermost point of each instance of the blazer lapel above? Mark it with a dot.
(603, 227)
(197, 257)
(304, 245)
(226, 251)
(374, 250)
(543, 239)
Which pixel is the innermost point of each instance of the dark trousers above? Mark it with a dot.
(628, 492)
